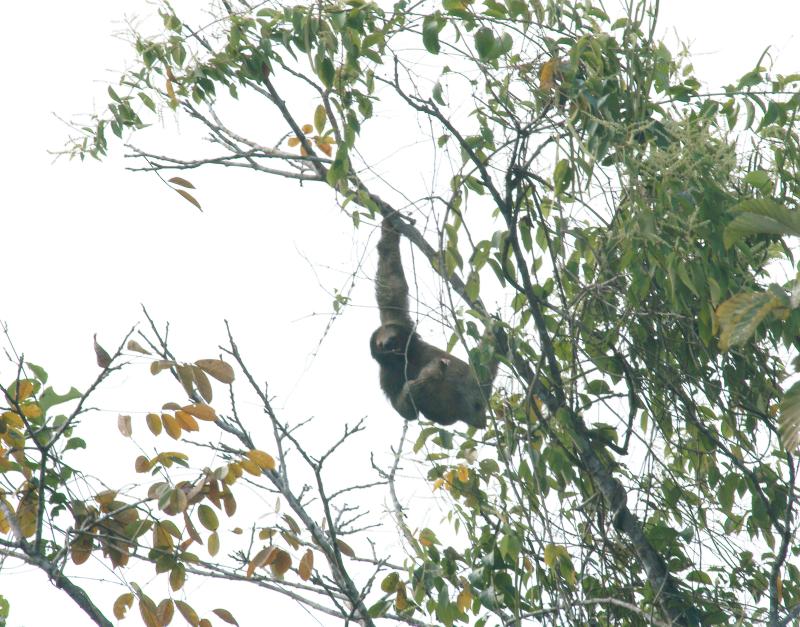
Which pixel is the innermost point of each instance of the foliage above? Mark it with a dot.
(633, 471)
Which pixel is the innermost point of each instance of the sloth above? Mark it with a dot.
(416, 376)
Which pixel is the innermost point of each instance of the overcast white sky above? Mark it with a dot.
(83, 245)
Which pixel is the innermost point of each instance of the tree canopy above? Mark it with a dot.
(630, 231)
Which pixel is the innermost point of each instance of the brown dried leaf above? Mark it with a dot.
(142, 464)
(170, 406)
(165, 611)
(281, 563)
(133, 345)
(124, 425)
(177, 180)
(103, 358)
(292, 523)
(226, 616)
(148, 611)
(81, 549)
(345, 548)
(177, 577)
(220, 370)
(161, 364)
(257, 561)
(191, 530)
(188, 613)
(306, 566)
(186, 377)
(203, 384)
(291, 540)
(229, 503)
(189, 197)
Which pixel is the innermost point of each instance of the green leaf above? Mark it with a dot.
(562, 176)
(75, 443)
(207, 517)
(423, 437)
(326, 72)
(37, 371)
(320, 117)
(758, 179)
(761, 216)
(339, 168)
(484, 43)
(739, 316)
(49, 398)
(789, 421)
(431, 26)
(148, 101)
(437, 93)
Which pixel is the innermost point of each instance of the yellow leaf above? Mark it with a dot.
(23, 391)
(201, 411)
(122, 605)
(438, 484)
(173, 101)
(171, 426)
(154, 423)
(427, 537)
(213, 544)
(547, 75)
(203, 384)
(186, 421)
(464, 600)
(401, 600)
(251, 467)
(306, 566)
(220, 370)
(31, 410)
(462, 473)
(293, 141)
(264, 460)
(26, 512)
(307, 128)
(12, 419)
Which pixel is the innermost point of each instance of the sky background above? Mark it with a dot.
(84, 245)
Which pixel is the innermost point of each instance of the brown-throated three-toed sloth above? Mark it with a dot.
(416, 376)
